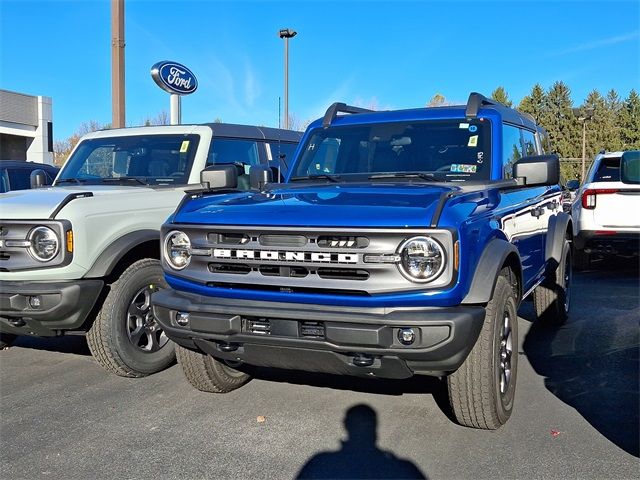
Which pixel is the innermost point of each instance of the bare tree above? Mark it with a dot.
(438, 100)
(62, 148)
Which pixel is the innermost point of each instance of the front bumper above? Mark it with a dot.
(341, 340)
(63, 306)
(608, 242)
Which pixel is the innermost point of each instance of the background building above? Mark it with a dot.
(26, 127)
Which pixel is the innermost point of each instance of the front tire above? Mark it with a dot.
(552, 298)
(482, 390)
(125, 338)
(209, 374)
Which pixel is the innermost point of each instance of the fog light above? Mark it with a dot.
(35, 302)
(406, 336)
(182, 319)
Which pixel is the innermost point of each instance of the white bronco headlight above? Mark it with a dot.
(422, 259)
(44, 243)
(177, 249)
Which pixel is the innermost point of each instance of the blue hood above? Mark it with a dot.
(343, 205)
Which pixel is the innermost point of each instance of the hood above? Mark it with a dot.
(42, 202)
(343, 205)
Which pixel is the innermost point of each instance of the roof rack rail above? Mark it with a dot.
(336, 107)
(477, 100)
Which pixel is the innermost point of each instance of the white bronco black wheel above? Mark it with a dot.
(125, 337)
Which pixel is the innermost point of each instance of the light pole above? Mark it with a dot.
(583, 115)
(286, 33)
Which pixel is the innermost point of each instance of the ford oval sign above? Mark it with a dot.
(174, 78)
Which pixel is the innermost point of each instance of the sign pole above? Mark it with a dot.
(175, 109)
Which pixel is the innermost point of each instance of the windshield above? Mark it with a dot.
(132, 160)
(447, 150)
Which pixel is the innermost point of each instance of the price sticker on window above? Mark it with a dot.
(185, 146)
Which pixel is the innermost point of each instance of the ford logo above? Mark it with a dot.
(174, 78)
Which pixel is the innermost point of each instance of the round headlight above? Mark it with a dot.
(422, 259)
(44, 244)
(177, 250)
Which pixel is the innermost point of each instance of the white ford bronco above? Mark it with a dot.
(82, 256)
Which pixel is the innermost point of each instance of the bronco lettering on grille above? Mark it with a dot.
(284, 256)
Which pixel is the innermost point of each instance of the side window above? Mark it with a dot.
(225, 150)
(19, 178)
(511, 148)
(545, 142)
(529, 141)
(4, 181)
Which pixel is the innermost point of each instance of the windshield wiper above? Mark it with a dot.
(430, 177)
(322, 176)
(122, 179)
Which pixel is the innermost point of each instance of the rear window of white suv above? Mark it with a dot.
(608, 170)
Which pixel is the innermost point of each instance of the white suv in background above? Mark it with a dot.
(606, 212)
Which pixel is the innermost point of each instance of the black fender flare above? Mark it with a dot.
(488, 269)
(111, 255)
(556, 234)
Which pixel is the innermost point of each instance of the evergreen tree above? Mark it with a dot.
(597, 136)
(558, 119)
(612, 129)
(501, 95)
(629, 122)
(534, 103)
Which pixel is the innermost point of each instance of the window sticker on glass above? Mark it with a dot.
(185, 146)
(480, 157)
(473, 128)
(464, 125)
(473, 141)
(460, 168)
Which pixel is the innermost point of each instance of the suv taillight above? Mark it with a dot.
(590, 194)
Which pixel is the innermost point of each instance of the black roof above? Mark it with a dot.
(27, 164)
(232, 130)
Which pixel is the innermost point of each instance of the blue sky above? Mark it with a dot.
(373, 53)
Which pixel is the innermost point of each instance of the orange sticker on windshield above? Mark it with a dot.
(185, 146)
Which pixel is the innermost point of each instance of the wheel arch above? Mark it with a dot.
(123, 252)
(560, 227)
(497, 255)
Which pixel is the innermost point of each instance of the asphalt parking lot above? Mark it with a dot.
(576, 413)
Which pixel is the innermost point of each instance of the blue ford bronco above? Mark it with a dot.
(400, 243)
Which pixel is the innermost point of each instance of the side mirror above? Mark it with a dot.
(38, 178)
(573, 185)
(537, 170)
(219, 177)
(259, 176)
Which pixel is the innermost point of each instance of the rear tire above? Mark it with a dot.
(482, 390)
(125, 339)
(209, 374)
(552, 298)
(6, 340)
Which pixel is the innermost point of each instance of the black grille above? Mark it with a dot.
(229, 238)
(260, 327)
(237, 268)
(312, 329)
(342, 274)
(342, 241)
(283, 240)
(283, 271)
